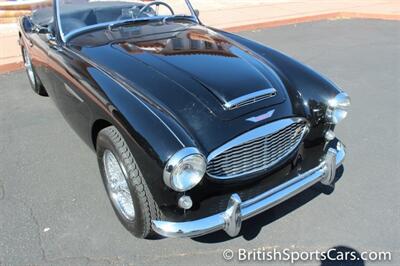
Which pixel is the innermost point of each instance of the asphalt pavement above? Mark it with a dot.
(54, 210)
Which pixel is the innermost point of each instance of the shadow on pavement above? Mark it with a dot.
(252, 227)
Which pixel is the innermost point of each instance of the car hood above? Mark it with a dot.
(187, 70)
(225, 69)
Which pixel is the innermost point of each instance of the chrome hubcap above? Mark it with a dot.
(117, 186)
(28, 66)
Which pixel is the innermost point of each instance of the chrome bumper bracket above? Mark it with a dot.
(237, 211)
(330, 168)
(232, 216)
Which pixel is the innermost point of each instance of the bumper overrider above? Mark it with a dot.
(237, 211)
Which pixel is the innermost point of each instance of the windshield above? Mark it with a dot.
(75, 16)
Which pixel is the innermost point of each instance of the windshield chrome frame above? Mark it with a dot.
(66, 37)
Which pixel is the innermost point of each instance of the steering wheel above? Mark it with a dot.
(155, 3)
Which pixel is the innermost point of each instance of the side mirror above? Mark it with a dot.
(27, 24)
(197, 12)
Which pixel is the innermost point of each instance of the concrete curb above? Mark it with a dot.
(327, 16)
(7, 68)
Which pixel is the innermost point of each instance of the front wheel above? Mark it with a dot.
(125, 185)
(33, 78)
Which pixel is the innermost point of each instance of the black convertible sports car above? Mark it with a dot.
(195, 129)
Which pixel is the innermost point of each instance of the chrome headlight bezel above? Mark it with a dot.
(186, 156)
(338, 107)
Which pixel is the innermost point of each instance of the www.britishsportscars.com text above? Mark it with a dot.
(293, 256)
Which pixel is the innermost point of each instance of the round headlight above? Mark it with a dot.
(338, 107)
(185, 169)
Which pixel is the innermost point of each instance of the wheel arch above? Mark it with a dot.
(97, 126)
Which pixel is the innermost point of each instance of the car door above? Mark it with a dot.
(69, 87)
(35, 44)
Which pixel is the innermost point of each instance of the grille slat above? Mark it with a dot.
(245, 153)
(238, 156)
(259, 153)
(250, 146)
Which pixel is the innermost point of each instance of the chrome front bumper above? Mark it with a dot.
(237, 211)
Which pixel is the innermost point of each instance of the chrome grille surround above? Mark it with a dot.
(250, 98)
(257, 150)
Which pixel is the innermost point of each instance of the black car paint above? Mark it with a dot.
(99, 79)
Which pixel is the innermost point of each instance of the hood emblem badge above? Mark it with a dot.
(262, 117)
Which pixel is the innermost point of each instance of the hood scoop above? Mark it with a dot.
(250, 98)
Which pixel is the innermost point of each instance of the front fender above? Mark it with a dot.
(305, 85)
(151, 136)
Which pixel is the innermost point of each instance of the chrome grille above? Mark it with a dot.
(257, 150)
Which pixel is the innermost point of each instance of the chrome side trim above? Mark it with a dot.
(250, 98)
(73, 93)
(237, 211)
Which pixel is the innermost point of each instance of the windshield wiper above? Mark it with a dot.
(130, 22)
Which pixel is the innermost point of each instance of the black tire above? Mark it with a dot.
(34, 80)
(145, 207)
